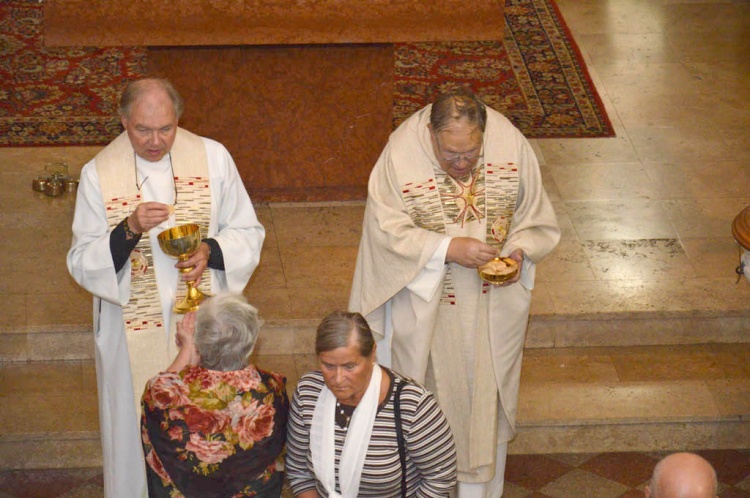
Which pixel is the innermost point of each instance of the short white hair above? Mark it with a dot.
(226, 328)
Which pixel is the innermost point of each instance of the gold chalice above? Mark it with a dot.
(181, 242)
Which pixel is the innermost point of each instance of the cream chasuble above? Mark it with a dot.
(461, 363)
(465, 341)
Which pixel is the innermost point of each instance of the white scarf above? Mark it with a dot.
(322, 443)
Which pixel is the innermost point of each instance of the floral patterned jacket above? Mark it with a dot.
(208, 433)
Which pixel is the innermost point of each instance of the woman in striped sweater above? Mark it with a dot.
(342, 431)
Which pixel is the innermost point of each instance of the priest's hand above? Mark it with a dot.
(199, 260)
(469, 252)
(516, 256)
(148, 215)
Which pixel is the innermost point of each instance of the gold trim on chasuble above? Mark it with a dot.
(196, 209)
(425, 208)
(502, 186)
(492, 190)
(463, 202)
(144, 294)
(143, 309)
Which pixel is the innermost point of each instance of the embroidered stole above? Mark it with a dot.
(142, 314)
(483, 209)
(117, 176)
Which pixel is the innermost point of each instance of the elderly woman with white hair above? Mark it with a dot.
(214, 425)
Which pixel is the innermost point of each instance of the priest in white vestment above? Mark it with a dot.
(456, 186)
(154, 176)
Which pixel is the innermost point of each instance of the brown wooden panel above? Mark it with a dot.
(264, 22)
(302, 123)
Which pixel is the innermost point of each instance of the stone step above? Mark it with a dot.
(645, 416)
(636, 398)
(572, 400)
(50, 450)
(295, 336)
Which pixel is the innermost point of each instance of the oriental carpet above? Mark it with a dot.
(535, 75)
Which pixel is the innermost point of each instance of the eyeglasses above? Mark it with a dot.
(469, 157)
(139, 187)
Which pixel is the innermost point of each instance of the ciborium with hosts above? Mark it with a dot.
(498, 270)
(181, 242)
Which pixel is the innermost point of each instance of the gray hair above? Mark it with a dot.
(226, 328)
(454, 105)
(337, 329)
(136, 89)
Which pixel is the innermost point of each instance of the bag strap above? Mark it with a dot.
(400, 434)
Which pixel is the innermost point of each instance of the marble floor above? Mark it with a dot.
(603, 475)
(645, 268)
(646, 215)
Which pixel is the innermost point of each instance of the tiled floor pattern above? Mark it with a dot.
(603, 475)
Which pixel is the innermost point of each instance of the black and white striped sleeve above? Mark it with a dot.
(429, 442)
(298, 436)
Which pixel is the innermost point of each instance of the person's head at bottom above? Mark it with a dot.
(682, 475)
(346, 354)
(226, 328)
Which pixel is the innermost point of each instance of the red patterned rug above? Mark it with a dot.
(535, 76)
(58, 96)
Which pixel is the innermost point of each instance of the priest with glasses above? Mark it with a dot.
(456, 186)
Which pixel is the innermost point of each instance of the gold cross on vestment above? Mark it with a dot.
(466, 197)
